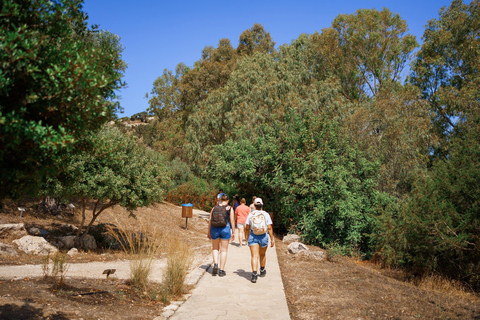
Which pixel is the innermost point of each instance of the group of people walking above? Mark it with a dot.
(254, 227)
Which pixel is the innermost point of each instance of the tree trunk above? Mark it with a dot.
(48, 205)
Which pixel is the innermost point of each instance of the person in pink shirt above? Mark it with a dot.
(241, 214)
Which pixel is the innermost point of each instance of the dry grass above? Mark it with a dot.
(143, 242)
(348, 289)
(141, 245)
(179, 260)
(440, 284)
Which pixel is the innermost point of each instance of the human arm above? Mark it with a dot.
(247, 225)
(270, 233)
(209, 225)
(236, 216)
(232, 223)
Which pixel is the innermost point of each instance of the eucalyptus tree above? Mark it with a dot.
(447, 68)
(437, 229)
(367, 53)
(275, 131)
(58, 79)
(255, 39)
(365, 50)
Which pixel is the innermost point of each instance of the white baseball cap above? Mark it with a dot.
(258, 201)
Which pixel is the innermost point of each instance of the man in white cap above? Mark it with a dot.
(259, 226)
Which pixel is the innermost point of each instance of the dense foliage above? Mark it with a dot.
(57, 80)
(343, 149)
(438, 228)
(111, 168)
(344, 146)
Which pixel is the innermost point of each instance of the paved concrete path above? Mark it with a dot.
(234, 296)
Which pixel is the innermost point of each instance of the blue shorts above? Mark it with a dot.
(224, 233)
(261, 240)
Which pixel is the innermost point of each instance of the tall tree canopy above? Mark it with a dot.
(328, 131)
(365, 50)
(448, 65)
(437, 229)
(57, 80)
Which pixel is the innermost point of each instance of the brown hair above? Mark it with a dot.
(243, 201)
(224, 197)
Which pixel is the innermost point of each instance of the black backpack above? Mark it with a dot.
(220, 215)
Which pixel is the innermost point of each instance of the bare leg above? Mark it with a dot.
(223, 253)
(215, 246)
(263, 257)
(241, 234)
(254, 251)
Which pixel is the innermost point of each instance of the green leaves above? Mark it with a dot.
(54, 86)
(113, 168)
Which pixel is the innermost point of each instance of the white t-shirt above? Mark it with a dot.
(268, 220)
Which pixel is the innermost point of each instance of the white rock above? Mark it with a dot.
(289, 238)
(72, 252)
(296, 247)
(35, 245)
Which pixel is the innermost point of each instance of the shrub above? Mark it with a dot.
(142, 246)
(179, 260)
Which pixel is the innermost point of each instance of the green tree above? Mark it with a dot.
(447, 68)
(111, 168)
(255, 39)
(209, 73)
(274, 131)
(57, 80)
(438, 229)
(365, 50)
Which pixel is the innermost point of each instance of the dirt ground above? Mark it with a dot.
(338, 289)
(79, 298)
(349, 289)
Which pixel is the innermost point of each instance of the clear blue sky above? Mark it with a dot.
(160, 34)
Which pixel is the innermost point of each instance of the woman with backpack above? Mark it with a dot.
(259, 227)
(220, 230)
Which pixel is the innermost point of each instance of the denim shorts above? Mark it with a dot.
(224, 233)
(261, 240)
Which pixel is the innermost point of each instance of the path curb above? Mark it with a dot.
(192, 279)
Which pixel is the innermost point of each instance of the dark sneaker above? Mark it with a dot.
(263, 272)
(222, 273)
(254, 278)
(215, 269)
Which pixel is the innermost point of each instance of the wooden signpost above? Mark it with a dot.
(187, 212)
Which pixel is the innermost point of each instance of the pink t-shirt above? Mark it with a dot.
(242, 212)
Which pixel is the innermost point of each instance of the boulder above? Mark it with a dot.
(296, 247)
(289, 238)
(7, 250)
(68, 241)
(72, 252)
(69, 228)
(88, 242)
(35, 245)
(14, 230)
(34, 231)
